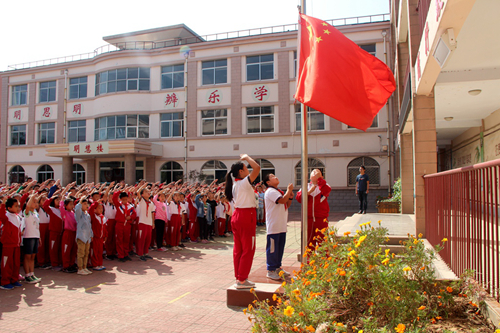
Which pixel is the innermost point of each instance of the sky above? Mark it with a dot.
(38, 30)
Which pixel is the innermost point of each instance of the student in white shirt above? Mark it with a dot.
(145, 212)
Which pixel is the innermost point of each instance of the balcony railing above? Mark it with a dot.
(198, 39)
(462, 205)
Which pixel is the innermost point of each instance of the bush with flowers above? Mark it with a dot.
(351, 284)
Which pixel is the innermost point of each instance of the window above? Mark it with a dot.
(214, 122)
(78, 174)
(172, 76)
(19, 94)
(370, 48)
(171, 172)
(78, 87)
(44, 172)
(260, 119)
(266, 167)
(123, 79)
(312, 163)
(115, 171)
(46, 133)
(77, 131)
(121, 127)
(47, 91)
(18, 135)
(17, 175)
(172, 124)
(214, 170)
(260, 67)
(214, 71)
(372, 170)
(315, 119)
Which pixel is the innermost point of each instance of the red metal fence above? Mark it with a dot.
(462, 205)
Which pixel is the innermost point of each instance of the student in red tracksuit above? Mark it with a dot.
(68, 242)
(42, 256)
(317, 207)
(244, 219)
(100, 233)
(51, 206)
(12, 227)
(110, 243)
(193, 228)
(175, 212)
(220, 213)
(125, 215)
(145, 213)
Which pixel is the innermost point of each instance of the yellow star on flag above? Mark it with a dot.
(327, 32)
(318, 39)
(325, 24)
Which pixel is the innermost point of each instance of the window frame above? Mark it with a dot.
(370, 164)
(312, 163)
(17, 96)
(49, 89)
(18, 135)
(19, 173)
(120, 80)
(79, 174)
(126, 127)
(211, 173)
(171, 123)
(79, 85)
(260, 64)
(46, 173)
(44, 132)
(260, 116)
(172, 79)
(77, 129)
(216, 119)
(310, 112)
(214, 68)
(171, 173)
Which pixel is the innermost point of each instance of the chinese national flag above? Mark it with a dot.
(338, 78)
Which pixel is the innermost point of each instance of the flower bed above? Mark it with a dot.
(351, 285)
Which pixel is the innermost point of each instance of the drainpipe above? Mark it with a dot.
(389, 172)
(65, 103)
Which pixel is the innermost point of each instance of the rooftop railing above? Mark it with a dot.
(148, 45)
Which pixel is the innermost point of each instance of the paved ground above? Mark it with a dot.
(182, 291)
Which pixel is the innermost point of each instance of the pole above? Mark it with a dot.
(186, 55)
(304, 159)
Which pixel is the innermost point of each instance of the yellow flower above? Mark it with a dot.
(406, 269)
(400, 328)
(387, 252)
(444, 240)
(252, 290)
(421, 308)
(415, 242)
(385, 261)
(310, 328)
(275, 297)
(360, 331)
(296, 292)
(420, 235)
(361, 239)
(352, 253)
(289, 311)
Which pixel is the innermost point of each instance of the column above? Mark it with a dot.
(149, 169)
(90, 171)
(407, 174)
(67, 170)
(424, 152)
(130, 169)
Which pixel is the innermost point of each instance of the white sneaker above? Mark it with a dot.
(82, 272)
(285, 273)
(245, 285)
(273, 275)
(87, 270)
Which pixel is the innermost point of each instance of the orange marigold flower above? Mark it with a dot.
(400, 328)
(439, 304)
(439, 318)
(385, 261)
(310, 328)
(301, 314)
(421, 308)
(433, 320)
(252, 290)
(347, 233)
(449, 289)
(420, 235)
(289, 311)
(444, 240)
(275, 297)
(415, 242)
(406, 269)
(369, 303)
(296, 292)
(342, 273)
(422, 268)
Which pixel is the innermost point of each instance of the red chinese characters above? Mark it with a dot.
(214, 97)
(260, 92)
(439, 7)
(427, 38)
(419, 72)
(46, 112)
(497, 149)
(87, 149)
(77, 109)
(17, 114)
(76, 149)
(99, 148)
(171, 99)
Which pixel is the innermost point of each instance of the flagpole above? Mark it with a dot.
(304, 158)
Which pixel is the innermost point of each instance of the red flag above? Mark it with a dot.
(338, 78)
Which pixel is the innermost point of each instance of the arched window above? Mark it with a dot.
(266, 167)
(16, 174)
(312, 163)
(214, 170)
(171, 172)
(372, 170)
(44, 172)
(78, 174)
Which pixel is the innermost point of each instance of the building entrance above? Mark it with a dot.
(115, 171)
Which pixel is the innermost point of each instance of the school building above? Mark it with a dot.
(167, 103)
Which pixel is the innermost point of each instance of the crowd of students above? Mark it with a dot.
(73, 228)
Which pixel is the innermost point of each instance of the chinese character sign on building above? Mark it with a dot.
(171, 101)
(46, 112)
(76, 110)
(16, 115)
(260, 93)
(214, 97)
(88, 148)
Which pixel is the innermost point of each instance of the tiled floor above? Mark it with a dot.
(182, 291)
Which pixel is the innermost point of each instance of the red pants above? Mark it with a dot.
(122, 232)
(228, 219)
(244, 222)
(222, 226)
(143, 239)
(96, 251)
(11, 262)
(194, 231)
(69, 248)
(312, 225)
(55, 248)
(174, 228)
(184, 227)
(133, 237)
(110, 241)
(43, 246)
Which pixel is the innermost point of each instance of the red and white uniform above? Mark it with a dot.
(100, 232)
(12, 227)
(123, 226)
(220, 213)
(193, 226)
(174, 212)
(56, 228)
(243, 223)
(43, 246)
(110, 214)
(145, 212)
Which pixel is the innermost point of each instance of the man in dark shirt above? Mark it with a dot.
(362, 189)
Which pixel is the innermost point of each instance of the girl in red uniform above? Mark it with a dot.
(51, 206)
(175, 212)
(12, 226)
(244, 219)
(125, 216)
(43, 247)
(100, 233)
